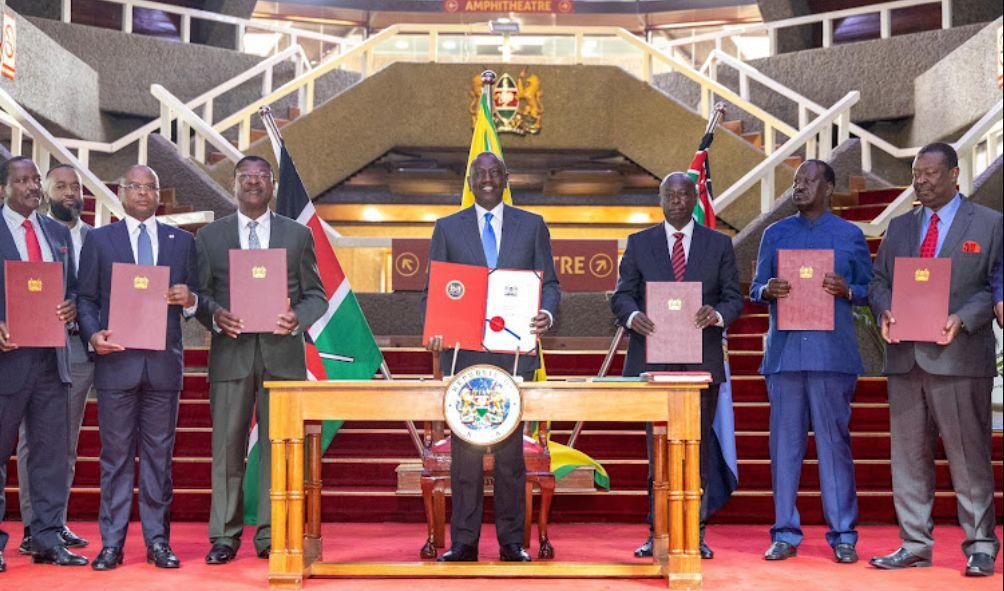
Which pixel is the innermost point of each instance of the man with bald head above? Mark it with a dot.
(138, 390)
(679, 249)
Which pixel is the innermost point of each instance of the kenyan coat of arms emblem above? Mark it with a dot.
(483, 405)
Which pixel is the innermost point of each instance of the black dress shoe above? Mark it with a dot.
(25, 548)
(980, 565)
(220, 554)
(706, 552)
(161, 556)
(264, 552)
(59, 556)
(108, 559)
(780, 551)
(70, 539)
(513, 553)
(645, 550)
(901, 558)
(845, 554)
(459, 553)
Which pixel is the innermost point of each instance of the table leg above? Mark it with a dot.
(660, 490)
(312, 542)
(692, 497)
(280, 575)
(294, 503)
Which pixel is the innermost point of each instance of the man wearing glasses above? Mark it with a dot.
(240, 362)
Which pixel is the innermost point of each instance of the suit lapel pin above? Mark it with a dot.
(170, 236)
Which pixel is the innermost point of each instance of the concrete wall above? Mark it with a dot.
(41, 8)
(989, 186)
(966, 12)
(791, 38)
(219, 34)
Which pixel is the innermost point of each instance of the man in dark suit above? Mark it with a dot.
(239, 363)
(35, 384)
(493, 234)
(138, 390)
(942, 388)
(811, 374)
(698, 254)
(63, 188)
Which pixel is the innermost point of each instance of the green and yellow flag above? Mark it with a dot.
(485, 139)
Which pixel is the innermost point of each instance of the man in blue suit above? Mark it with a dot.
(679, 249)
(811, 374)
(36, 381)
(138, 390)
(491, 233)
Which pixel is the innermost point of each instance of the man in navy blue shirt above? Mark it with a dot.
(811, 374)
(997, 286)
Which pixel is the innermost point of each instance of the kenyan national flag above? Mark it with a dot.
(700, 173)
(340, 345)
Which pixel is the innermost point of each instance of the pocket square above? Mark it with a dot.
(971, 246)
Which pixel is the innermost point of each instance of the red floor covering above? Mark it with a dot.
(737, 566)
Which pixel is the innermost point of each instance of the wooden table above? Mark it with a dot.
(296, 514)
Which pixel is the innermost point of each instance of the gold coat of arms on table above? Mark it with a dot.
(516, 103)
(482, 405)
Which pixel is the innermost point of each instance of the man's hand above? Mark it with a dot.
(884, 323)
(286, 323)
(228, 323)
(101, 344)
(776, 288)
(180, 295)
(999, 310)
(952, 328)
(435, 344)
(67, 311)
(836, 286)
(642, 324)
(5, 342)
(540, 323)
(706, 316)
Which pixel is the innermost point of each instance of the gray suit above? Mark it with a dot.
(944, 389)
(238, 367)
(82, 375)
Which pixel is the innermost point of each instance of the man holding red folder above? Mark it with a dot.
(35, 380)
(942, 387)
(811, 374)
(138, 389)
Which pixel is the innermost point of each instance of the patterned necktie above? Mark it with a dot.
(31, 242)
(929, 247)
(678, 258)
(144, 248)
(488, 242)
(253, 243)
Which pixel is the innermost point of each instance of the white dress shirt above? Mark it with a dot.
(264, 229)
(132, 224)
(15, 223)
(77, 238)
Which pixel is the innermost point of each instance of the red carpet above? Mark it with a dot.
(737, 566)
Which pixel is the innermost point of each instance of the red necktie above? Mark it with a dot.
(679, 259)
(31, 242)
(929, 247)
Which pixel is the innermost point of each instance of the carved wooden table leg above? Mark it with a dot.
(312, 541)
(428, 551)
(662, 523)
(528, 514)
(685, 491)
(279, 571)
(294, 504)
(546, 551)
(439, 504)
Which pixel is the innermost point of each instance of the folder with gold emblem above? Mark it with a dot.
(455, 305)
(258, 291)
(808, 306)
(672, 306)
(137, 308)
(33, 292)
(920, 292)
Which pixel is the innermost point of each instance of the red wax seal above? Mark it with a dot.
(497, 324)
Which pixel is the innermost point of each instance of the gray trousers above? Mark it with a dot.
(82, 374)
(232, 402)
(921, 407)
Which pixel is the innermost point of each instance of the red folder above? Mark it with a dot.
(258, 287)
(455, 305)
(920, 291)
(808, 306)
(33, 292)
(672, 307)
(137, 310)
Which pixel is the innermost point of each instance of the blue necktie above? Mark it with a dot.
(253, 242)
(488, 242)
(144, 248)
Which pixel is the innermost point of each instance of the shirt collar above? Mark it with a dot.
(495, 211)
(816, 222)
(688, 230)
(133, 224)
(263, 219)
(947, 211)
(17, 219)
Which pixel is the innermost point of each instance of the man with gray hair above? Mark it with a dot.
(66, 201)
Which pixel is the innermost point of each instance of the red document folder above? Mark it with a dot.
(808, 306)
(920, 290)
(258, 289)
(33, 293)
(137, 311)
(455, 305)
(672, 307)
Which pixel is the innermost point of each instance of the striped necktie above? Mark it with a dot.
(929, 247)
(679, 258)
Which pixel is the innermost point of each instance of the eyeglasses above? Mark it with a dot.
(141, 186)
(254, 176)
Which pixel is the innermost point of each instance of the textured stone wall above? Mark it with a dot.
(989, 186)
(219, 34)
(791, 38)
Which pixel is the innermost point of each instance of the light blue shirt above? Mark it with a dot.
(15, 223)
(945, 217)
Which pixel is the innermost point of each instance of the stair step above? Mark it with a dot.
(755, 138)
(794, 161)
(735, 126)
(879, 196)
(859, 213)
(214, 158)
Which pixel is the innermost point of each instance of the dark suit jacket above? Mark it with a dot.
(110, 244)
(14, 364)
(712, 261)
(233, 359)
(526, 244)
(971, 352)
